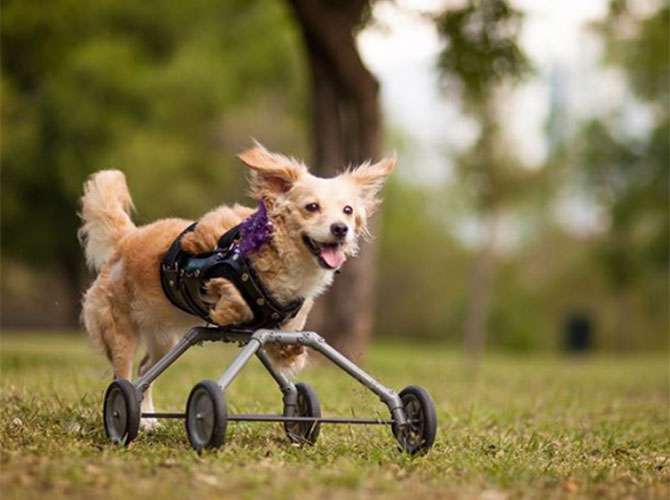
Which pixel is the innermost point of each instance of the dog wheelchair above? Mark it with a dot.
(412, 412)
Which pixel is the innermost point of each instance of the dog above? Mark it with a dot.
(317, 224)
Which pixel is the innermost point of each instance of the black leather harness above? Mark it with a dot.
(183, 276)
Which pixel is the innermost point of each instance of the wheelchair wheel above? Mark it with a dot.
(419, 435)
(307, 406)
(121, 412)
(206, 416)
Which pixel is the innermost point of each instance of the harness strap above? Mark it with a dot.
(170, 273)
(183, 276)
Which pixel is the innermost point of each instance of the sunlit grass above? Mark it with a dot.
(525, 426)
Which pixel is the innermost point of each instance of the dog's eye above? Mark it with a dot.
(348, 210)
(312, 207)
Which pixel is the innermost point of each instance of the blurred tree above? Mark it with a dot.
(630, 174)
(481, 57)
(346, 129)
(158, 89)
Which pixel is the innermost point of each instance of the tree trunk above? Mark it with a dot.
(480, 292)
(346, 130)
(623, 327)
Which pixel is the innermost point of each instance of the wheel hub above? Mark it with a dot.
(203, 411)
(206, 416)
(118, 405)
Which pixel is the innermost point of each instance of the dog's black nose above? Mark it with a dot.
(339, 229)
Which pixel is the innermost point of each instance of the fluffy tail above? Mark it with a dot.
(104, 212)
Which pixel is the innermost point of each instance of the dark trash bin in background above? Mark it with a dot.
(578, 333)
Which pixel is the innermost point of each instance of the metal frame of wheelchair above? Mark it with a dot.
(412, 411)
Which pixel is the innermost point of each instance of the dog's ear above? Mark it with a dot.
(271, 173)
(370, 180)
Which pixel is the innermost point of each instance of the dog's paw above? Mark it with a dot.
(230, 308)
(149, 424)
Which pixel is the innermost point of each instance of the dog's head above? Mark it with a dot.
(324, 217)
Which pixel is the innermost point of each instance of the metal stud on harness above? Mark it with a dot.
(183, 276)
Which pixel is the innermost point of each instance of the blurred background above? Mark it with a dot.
(529, 209)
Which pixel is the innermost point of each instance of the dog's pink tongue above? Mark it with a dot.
(333, 257)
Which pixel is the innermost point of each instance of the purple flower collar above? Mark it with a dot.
(255, 231)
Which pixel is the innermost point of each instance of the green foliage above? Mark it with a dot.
(631, 182)
(620, 278)
(481, 49)
(526, 427)
(481, 55)
(640, 46)
(627, 173)
(150, 88)
(631, 175)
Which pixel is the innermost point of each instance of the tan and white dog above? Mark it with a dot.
(317, 224)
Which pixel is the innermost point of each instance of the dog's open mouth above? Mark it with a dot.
(329, 255)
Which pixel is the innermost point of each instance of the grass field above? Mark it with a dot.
(525, 427)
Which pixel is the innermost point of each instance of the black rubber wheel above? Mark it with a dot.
(206, 416)
(418, 437)
(307, 406)
(121, 412)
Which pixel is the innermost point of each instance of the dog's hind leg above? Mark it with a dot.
(109, 332)
(121, 344)
(155, 351)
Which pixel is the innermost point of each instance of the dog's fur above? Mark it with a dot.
(126, 306)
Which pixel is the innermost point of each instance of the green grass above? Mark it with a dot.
(526, 426)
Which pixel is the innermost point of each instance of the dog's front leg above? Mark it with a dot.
(297, 323)
(230, 307)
